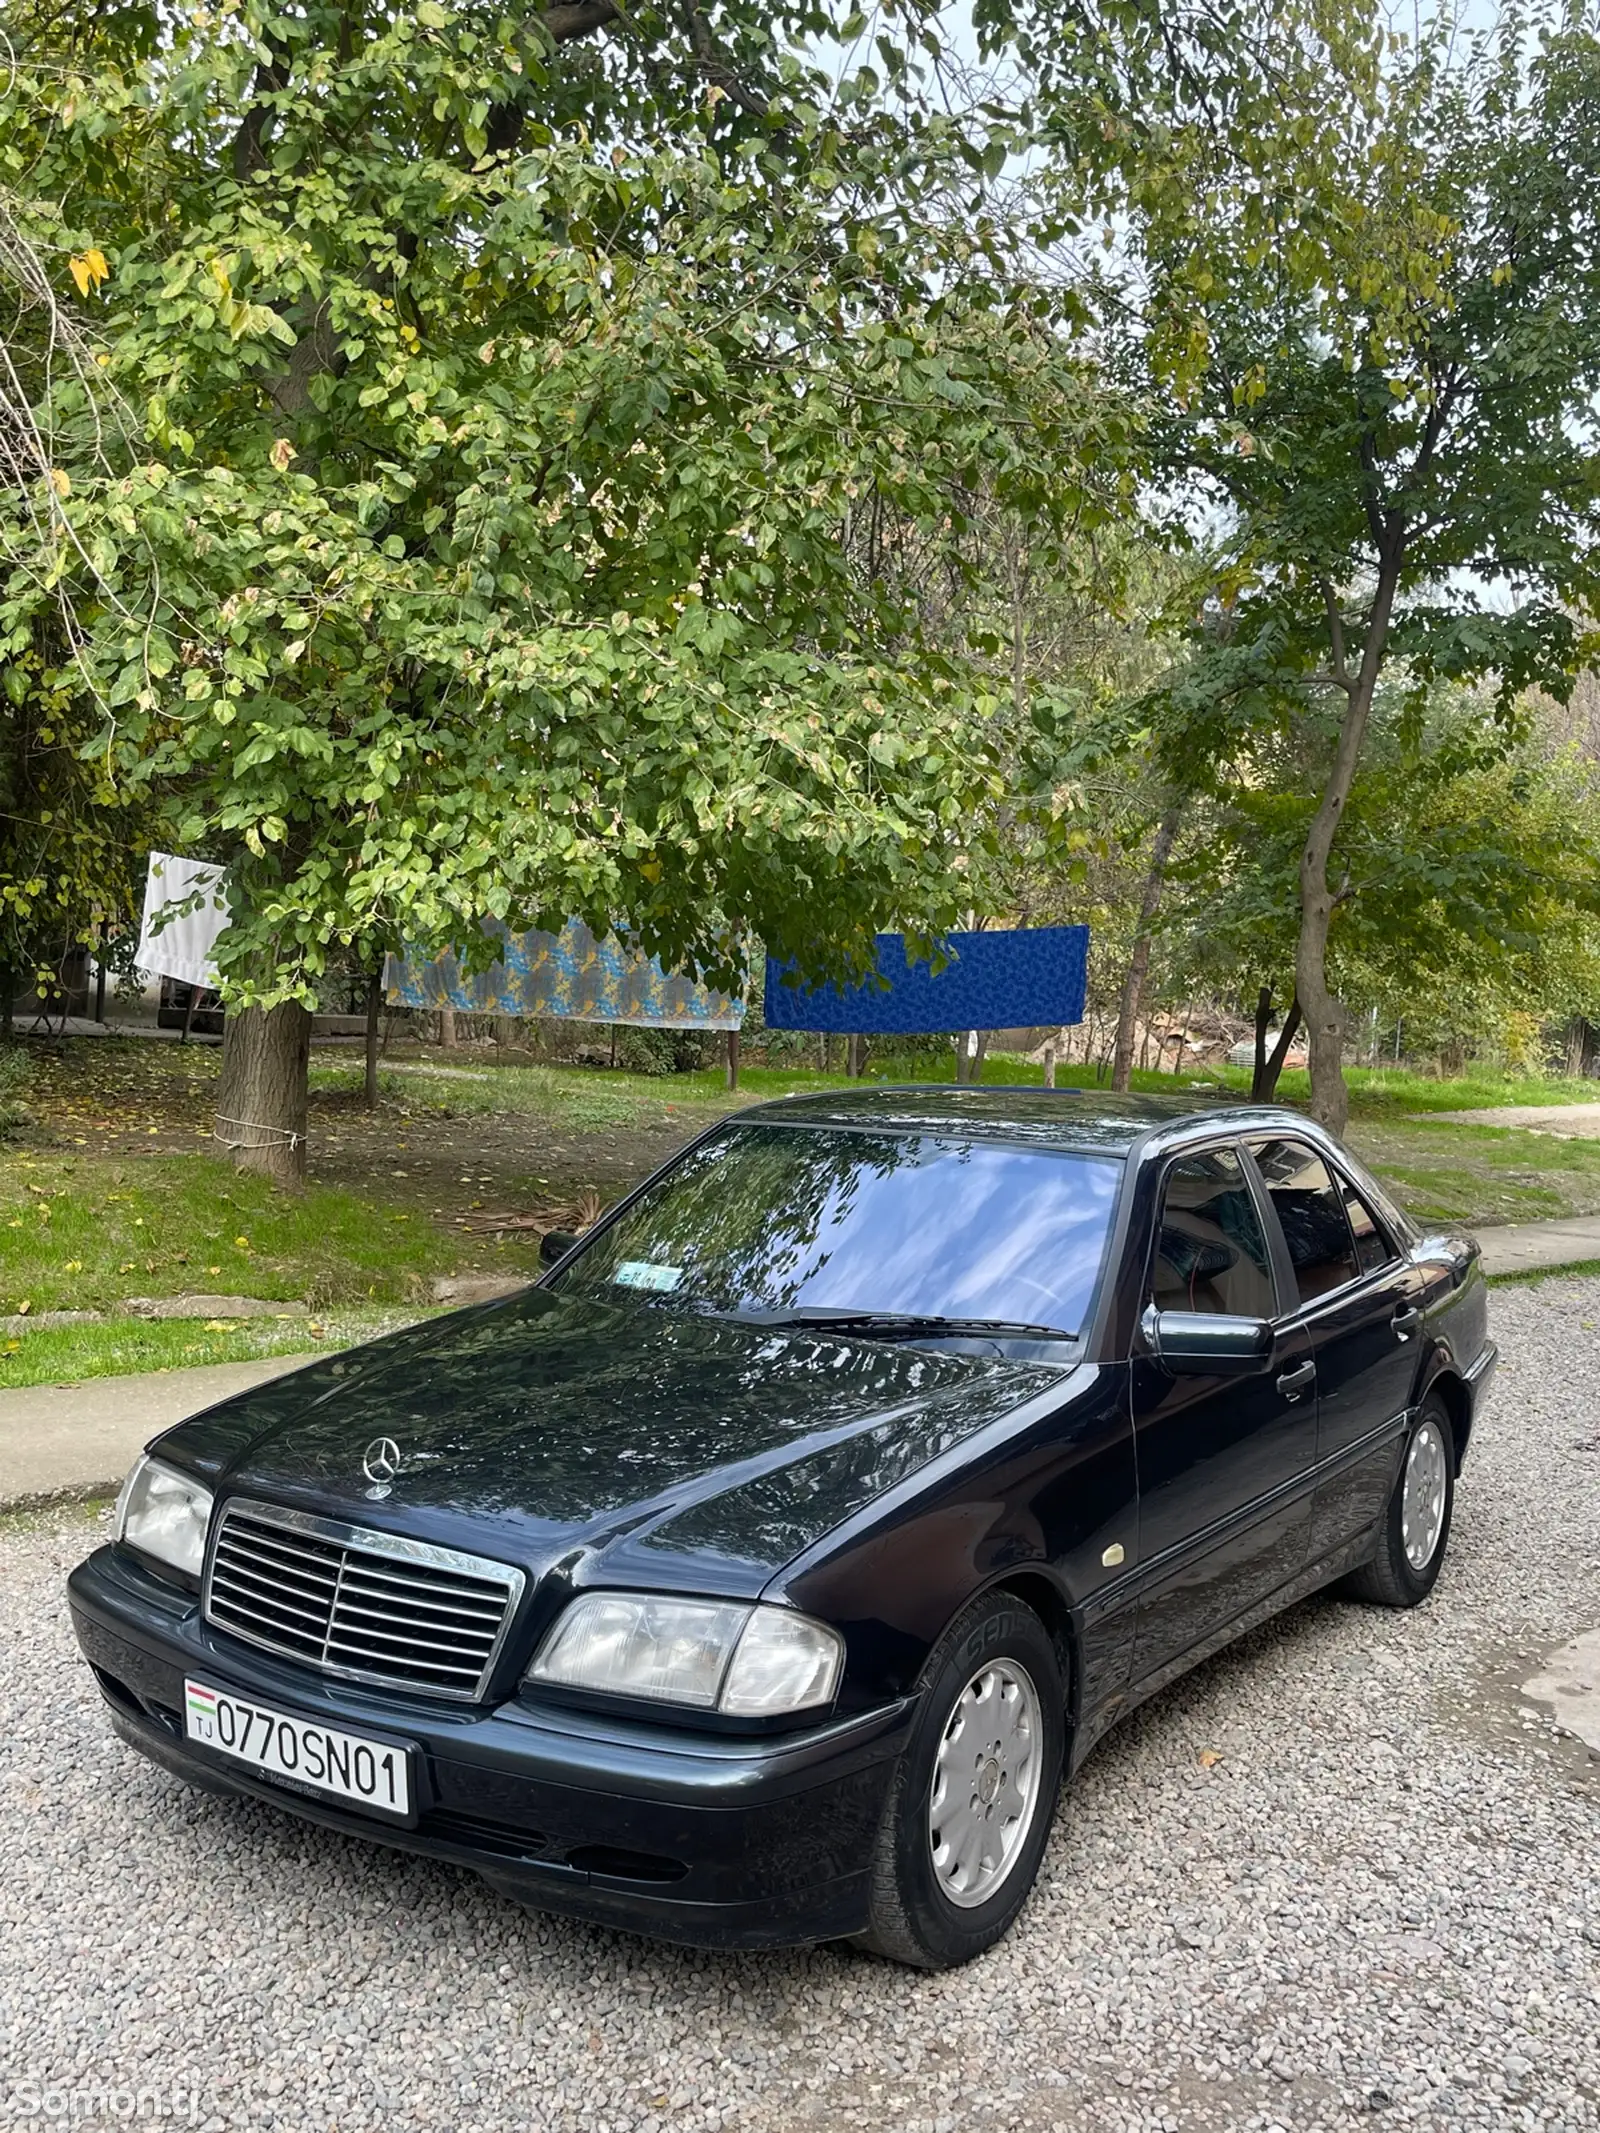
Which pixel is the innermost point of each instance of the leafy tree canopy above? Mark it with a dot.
(508, 387)
(1358, 275)
(1470, 869)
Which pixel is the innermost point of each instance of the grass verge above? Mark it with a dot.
(83, 1233)
(120, 1347)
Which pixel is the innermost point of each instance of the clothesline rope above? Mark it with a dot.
(275, 1134)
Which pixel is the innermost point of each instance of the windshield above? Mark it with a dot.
(779, 1218)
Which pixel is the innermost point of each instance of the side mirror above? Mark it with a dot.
(1208, 1342)
(555, 1244)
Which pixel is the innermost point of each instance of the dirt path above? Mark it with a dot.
(1569, 1122)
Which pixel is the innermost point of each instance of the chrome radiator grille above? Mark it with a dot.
(362, 1605)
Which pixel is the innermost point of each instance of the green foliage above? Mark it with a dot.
(1355, 272)
(657, 1052)
(1469, 884)
(508, 408)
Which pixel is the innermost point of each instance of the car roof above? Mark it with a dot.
(1090, 1120)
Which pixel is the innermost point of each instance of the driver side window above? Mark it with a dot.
(1211, 1252)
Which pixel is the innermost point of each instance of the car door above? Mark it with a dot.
(1359, 1302)
(1224, 1460)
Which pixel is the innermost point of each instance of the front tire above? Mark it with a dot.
(1415, 1530)
(970, 1806)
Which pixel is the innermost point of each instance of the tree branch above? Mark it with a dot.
(1340, 676)
(577, 18)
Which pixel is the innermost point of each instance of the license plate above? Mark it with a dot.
(371, 1774)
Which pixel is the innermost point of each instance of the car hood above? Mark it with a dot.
(545, 1427)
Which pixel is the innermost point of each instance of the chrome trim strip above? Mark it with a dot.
(398, 1547)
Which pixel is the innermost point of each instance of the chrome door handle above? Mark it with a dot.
(1406, 1321)
(1294, 1382)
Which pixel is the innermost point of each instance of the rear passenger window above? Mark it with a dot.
(1310, 1208)
(1211, 1251)
(1373, 1248)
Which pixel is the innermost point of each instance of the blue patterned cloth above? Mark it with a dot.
(568, 974)
(1011, 980)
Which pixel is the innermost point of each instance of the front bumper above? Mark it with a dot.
(711, 1839)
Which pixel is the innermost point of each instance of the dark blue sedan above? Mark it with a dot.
(757, 1575)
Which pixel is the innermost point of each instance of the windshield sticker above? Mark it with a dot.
(645, 1274)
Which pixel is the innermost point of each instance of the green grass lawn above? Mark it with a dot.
(53, 1355)
(83, 1234)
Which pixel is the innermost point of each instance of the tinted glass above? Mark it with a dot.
(774, 1217)
(1211, 1251)
(1373, 1248)
(1311, 1211)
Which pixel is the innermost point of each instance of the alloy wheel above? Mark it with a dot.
(1423, 1495)
(985, 1782)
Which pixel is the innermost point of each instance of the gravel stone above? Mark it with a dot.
(1375, 1901)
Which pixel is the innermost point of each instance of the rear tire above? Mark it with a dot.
(973, 1795)
(1415, 1529)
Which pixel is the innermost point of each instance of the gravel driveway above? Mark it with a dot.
(1379, 1906)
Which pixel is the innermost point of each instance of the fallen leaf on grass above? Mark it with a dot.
(1209, 1758)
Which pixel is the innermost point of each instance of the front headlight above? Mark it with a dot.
(163, 1513)
(716, 1655)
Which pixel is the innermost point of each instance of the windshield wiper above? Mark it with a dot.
(900, 1325)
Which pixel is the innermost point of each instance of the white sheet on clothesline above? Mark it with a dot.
(182, 946)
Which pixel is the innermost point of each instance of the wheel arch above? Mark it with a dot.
(1450, 1389)
(1036, 1589)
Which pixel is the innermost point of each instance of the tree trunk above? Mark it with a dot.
(980, 1051)
(1264, 1086)
(447, 1028)
(733, 1059)
(369, 1089)
(1258, 1072)
(963, 1053)
(1050, 1064)
(1139, 961)
(1325, 1018)
(261, 1105)
(1181, 1053)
